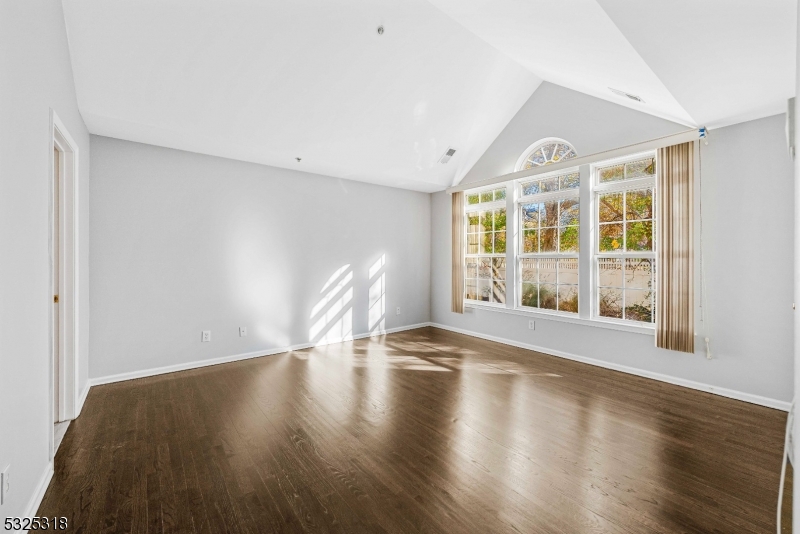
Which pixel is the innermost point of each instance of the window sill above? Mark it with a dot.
(595, 323)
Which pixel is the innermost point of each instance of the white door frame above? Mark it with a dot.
(68, 283)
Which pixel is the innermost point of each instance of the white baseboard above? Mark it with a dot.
(724, 392)
(38, 494)
(234, 358)
(82, 398)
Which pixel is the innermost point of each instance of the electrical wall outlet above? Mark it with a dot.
(206, 336)
(5, 484)
(398, 311)
(242, 331)
(531, 325)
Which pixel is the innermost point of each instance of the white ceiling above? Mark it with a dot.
(571, 43)
(708, 62)
(267, 81)
(271, 81)
(726, 61)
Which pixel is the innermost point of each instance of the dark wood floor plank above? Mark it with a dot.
(590, 517)
(423, 431)
(409, 470)
(348, 485)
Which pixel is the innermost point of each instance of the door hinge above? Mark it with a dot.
(55, 299)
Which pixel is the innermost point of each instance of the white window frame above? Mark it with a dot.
(621, 186)
(587, 250)
(535, 146)
(538, 198)
(486, 206)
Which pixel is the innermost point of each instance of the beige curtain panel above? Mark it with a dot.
(675, 257)
(457, 303)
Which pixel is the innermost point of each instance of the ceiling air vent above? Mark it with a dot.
(628, 95)
(447, 155)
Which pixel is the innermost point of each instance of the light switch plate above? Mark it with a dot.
(242, 331)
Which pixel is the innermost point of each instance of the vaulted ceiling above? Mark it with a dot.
(269, 82)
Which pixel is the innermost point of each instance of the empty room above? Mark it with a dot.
(372, 266)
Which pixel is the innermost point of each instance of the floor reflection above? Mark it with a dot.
(421, 431)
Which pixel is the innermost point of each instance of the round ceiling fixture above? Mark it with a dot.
(380, 30)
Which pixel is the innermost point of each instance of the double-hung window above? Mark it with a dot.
(624, 255)
(485, 273)
(546, 262)
(548, 244)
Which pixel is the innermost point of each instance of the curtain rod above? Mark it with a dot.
(668, 140)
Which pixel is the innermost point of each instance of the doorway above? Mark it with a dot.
(64, 271)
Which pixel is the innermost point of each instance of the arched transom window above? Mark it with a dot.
(545, 152)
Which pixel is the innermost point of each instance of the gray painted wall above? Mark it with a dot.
(190, 242)
(36, 76)
(590, 124)
(748, 268)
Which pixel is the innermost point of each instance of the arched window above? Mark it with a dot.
(544, 152)
(549, 219)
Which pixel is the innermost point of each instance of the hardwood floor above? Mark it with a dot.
(420, 431)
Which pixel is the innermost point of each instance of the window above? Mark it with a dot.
(549, 216)
(485, 274)
(625, 247)
(484, 197)
(534, 263)
(544, 152)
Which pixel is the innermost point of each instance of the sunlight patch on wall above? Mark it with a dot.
(344, 282)
(336, 324)
(334, 311)
(335, 276)
(376, 316)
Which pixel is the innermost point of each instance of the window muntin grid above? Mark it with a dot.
(548, 242)
(626, 288)
(545, 152)
(485, 269)
(545, 254)
(484, 197)
(624, 249)
(626, 220)
(549, 283)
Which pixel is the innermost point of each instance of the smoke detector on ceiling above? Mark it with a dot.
(623, 93)
(447, 155)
